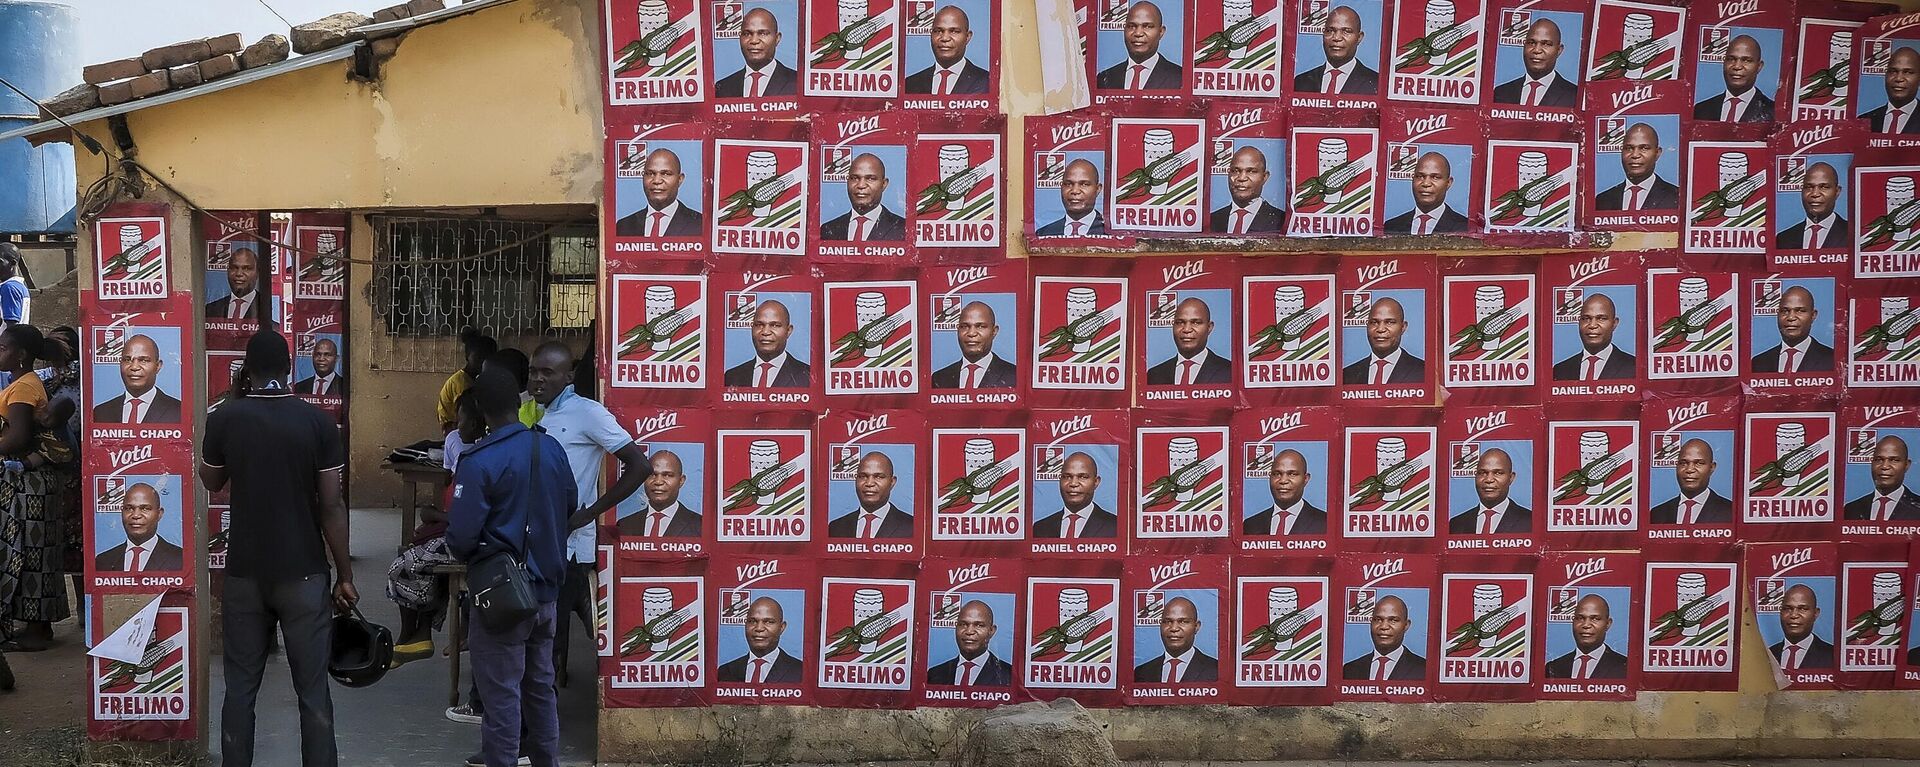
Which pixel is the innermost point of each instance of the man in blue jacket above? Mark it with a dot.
(502, 502)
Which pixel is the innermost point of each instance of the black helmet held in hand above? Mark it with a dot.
(362, 650)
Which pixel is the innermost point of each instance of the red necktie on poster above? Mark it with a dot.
(236, 309)
(1333, 80)
(1733, 109)
(1793, 656)
(1286, 523)
(1883, 509)
(973, 375)
(1426, 224)
(1813, 235)
(1173, 671)
(966, 674)
(139, 559)
(946, 86)
(1593, 368)
(859, 228)
(1634, 204)
(133, 410)
(1379, 372)
(1073, 526)
(754, 89)
(1533, 93)
(1139, 78)
(656, 525)
(1692, 516)
(869, 524)
(1380, 670)
(759, 670)
(1186, 371)
(1076, 229)
(1793, 361)
(658, 226)
(1486, 522)
(766, 375)
(1240, 221)
(1585, 661)
(1896, 120)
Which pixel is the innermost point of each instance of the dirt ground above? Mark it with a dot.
(42, 720)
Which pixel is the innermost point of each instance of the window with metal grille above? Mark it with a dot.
(438, 275)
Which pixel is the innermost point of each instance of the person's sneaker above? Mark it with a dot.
(476, 761)
(464, 714)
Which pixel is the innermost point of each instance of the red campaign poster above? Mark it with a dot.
(1820, 84)
(132, 256)
(1282, 641)
(219, 521)
(1596, 490)
(239, 280)
(1436, 52)
(656, 53)
(660, 653)
(1157, 182)
(1079, 507)
(972, 613)
(148, 700)
(1737, 55)
(1692, 329)
(761, 609)
(852, 54)
(1180, 629)
(1389, 328)
(861, 214)
(1690, 627)
(1139, 50)
(978, 485)
(660, 336)
(1883, 351)
(1532, 59)
(1248, 173)
(761, 189)
(1080, 352)
(873, 350)
(1589, 608)
(1182, 488)
(1236, 48)
(1337, 52)
(1635, 41)
(1790, 468)
(1633, 139)
(1073, 635)
(1886, 216)
(1693, 490)
(138, 496)
(976, 322)
(1290, 488)
(867, 634)
(317, 274)
(1392, 493)
(657, 176)
(874, 497)
(319, 352)
(1490, 634)
(769, 316)
(1184, 320)
(1290, 325)
(956, 174)
(222, 366)
(1490, 310)
(1795, 320)
(1729, 187)
(1876, 488)
(1886, 54)
(1594, 333)
(1388, 627)
(1871, 614)
(952, 55)
(603, 578)
(1530, 178)
(668, 517)
(1796, 608)
(1494, 472)
(1067, 163)
(763, 482)
(1909, 664)
(756, 57)
(1333, 174)
(1813, 167)
(1431, 173)
(136, 372)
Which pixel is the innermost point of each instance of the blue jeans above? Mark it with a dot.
(513, 670)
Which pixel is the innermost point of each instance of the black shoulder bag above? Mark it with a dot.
(502, 597)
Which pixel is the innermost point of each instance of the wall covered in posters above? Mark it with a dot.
(1135, 476)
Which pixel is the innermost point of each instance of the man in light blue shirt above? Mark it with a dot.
(16, 303)
(589, 434)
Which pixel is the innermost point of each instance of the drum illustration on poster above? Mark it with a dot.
(764, 484)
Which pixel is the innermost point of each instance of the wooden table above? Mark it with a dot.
(456, 632)
(415, 475)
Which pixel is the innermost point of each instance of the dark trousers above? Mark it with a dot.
(303, 608)
(514, 672)
(576, 598)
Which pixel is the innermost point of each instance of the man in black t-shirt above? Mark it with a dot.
(284, 458)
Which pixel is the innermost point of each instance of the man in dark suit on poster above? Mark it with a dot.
(1902, 83)
(664, 215)
(951, 74)
(144, 550)
(1290, 513)
(1343, 73)
(1247, 211)
(765, 662)
(1741, 102)
(1080, 516)
(1386, 362)
(868, 218)
(1144, 68)
(1643, 189)
(243, 285)
(770, 367)
(1697, 503)
(1891, 499)
(1496, 513)
(1798, 351)
(1192, 362)
(1079, 200)
(1798, 647)
(326, 380)
(1179, 662)
(1391, 659)
(1822, 226)
(1432, 179)
(1542, 85)
(143, 402)
(876, 516)
(1591, 658)
(663, 516)
(1598, 359)
(762, 75)
(978, 367)
(976, 665)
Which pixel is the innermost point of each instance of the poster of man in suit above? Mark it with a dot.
(1587, 600)
(1877, 480)
(950, 54)
(859, 203)
(1796, 605)
(1392, 635)
(665, 509)
(1252, 188)
(759, 648)
(1789, 329)
(1536, 57)
(1690, 487)
(1590, 630)
(137, 524)
(1889, 79)
(1337, 48)
(1189, 337)
(652, 196)
(965, 646)
(1640, 176)
(1388, 350)
(317, 366)
(1140, 49)
(764, 352)
(862, 502)
(1736, 71)
(137, 375)
(1291, 502)
(979, 356)
(756, 49)
(1815, 217)
(1596, 342)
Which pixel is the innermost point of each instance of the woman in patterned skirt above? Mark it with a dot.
(31, 573)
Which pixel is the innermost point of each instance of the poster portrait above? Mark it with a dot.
(1738, 58)
(1886, 65)
(853, 50)
(1692, 331)
(1073, 635)
(1247, 177)
(972, 613)
(760, 194)
(1490, 637)
(1067, 165)
(1533, 55)
(874, 493)
(1490, 316)
(1796, 607)
(1872, 634)
(656, 53)
(1157, 183)
(1179, 629)
(1436, 52)
(976, 322)
(873, 337)
(1635, 41)
(1823, 78)
(131, 252)
(660, 327)
(1493, 477)
(1337, 52)
(1290, 323)
(764, 484)
(1080, 506)
(1813, 168)
(1283, 631)
(1290, 486)
(1335, 178)
(1794, 321)
(955, 170)
(1181, 488)
(1790, 467)
(761, 609)
(867, 634)
(1431, 173)
(1880, 492)
(136, 376)
(658, 175)
(137, 501)
(1080, 350)
(1388, 626)
(1729, 184)
(769, 331)
(1237, 48)
(660, 651)
(756, 56)
(1691, 494)
(863, 211)
(668, 517)
(1595, 476)
(1388, 328)
(1391, 466)
(1689, 629)
(319, 358)
(1595, 329)
(979, 485)
(1634, 141)
(952, 55)
(1185, 326)
(1886, 217)
(1588, 608)
(1139, 49)
(239, 277)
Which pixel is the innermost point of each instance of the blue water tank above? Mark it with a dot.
(39, 54)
